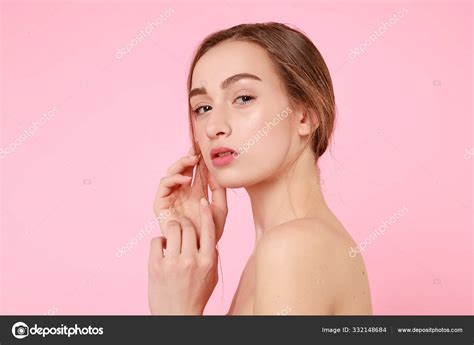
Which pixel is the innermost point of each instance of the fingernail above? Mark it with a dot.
(204, 202)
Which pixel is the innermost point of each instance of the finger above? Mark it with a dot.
(184, 166)
(189, 240)
(169, 182)
(164, 227)
(191, 151)
(156, 250)
(207, 238)
(219, 195)
(201, 179)
(173, 238)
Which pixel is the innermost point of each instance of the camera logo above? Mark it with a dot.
(20, 330)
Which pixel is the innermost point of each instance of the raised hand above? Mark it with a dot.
(182, 269)
(176, 192)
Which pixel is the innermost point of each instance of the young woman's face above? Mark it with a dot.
(236, 112)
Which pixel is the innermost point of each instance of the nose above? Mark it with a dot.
(218, 124)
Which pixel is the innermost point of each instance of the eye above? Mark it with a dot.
(247, 98)
(196, 110)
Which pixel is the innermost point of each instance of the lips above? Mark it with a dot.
(221, 151)
(222, 156)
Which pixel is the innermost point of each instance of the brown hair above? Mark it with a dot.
(298, 63)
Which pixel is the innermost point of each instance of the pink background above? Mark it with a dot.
(84, 183)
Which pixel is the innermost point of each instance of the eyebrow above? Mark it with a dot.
(224, 84)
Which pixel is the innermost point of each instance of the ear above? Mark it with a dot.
(304, 118)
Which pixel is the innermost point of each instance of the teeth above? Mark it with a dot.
(223, 154)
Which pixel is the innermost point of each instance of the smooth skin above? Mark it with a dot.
(300, 263)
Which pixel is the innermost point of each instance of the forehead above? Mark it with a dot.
(230, 58)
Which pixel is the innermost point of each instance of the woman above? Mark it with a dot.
(262, 111)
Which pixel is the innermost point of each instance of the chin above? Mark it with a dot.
(228, 179)
(239, 179)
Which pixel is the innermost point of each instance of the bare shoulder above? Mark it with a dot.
(304, 267)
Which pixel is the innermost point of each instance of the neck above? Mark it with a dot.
(291, 194)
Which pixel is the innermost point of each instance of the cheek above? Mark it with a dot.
(264, 141)
(262, 156)
(266, 137)
(199, 130)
